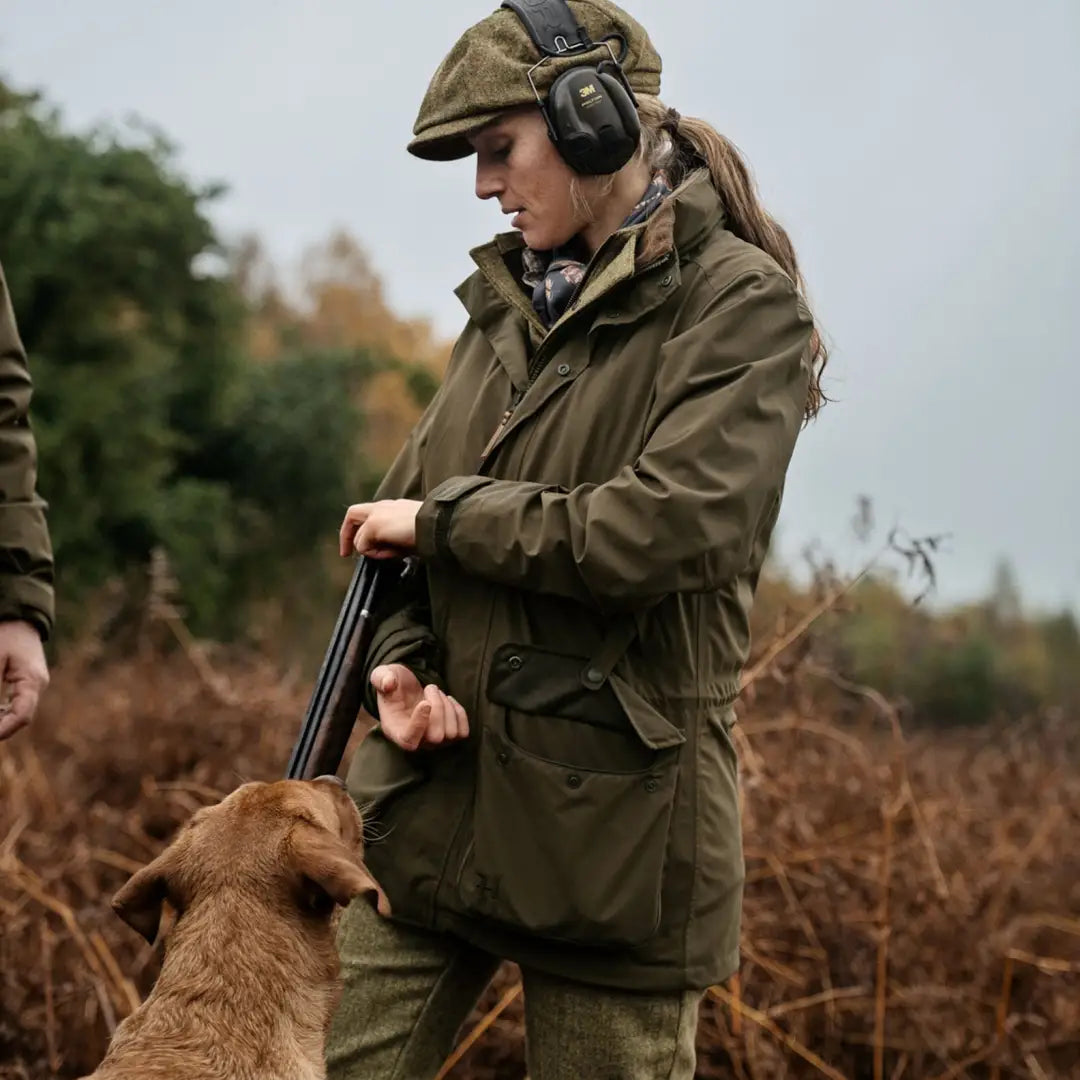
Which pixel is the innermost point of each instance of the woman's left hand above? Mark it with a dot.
(380, 530)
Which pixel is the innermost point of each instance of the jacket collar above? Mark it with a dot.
(698, 212)
(501, 310)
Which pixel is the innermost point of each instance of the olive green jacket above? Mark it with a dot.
(26, 559)
(589, 562)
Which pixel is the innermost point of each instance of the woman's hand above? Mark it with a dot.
(414, 716)
(380, 530)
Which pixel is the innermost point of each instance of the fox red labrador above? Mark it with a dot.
(250, 976)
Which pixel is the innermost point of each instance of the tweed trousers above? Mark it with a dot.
(407, 994)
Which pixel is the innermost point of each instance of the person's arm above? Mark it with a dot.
(26, 559)
(730, 399)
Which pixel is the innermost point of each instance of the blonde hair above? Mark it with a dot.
(587, 193)
(685, 147)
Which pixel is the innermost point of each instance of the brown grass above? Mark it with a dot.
(912, 905)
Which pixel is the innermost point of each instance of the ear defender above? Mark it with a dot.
(596, 125)
(590, 110)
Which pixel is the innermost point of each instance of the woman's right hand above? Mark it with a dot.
(415, 716)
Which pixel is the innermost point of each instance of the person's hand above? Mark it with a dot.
(380, 530)
(414, 716)
(24, 672)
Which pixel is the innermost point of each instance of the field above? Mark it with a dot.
(912, 908)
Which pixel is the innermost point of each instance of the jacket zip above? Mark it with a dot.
(514, 401)
(535, 369)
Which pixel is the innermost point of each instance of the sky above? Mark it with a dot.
(924, 155)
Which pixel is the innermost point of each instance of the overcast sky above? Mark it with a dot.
(924, 155)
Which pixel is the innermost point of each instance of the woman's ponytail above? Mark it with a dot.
(682, 145)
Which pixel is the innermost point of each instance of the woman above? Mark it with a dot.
(590, 494)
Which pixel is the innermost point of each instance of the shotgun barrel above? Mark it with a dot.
(338, 695)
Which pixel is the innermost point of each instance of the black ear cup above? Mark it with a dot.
(624, 103)
(595, 124)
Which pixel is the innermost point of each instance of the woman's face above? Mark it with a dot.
(517, 163)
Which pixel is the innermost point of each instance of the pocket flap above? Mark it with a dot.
(545, 683)
(654, 729)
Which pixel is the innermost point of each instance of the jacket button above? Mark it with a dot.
(652, 784)
(594, 676)
(573, 780)
(514, 663)
(563, 369)
(666, 280)
(502, 757)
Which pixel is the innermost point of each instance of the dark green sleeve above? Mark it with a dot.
(684, 517)
(26, 558)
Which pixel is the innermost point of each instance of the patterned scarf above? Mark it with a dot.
(553, 276)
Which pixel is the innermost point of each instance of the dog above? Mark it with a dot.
(250, 977)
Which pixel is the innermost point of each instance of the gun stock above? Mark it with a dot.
(338, 695)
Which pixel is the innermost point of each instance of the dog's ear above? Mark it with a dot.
(324, 861)
(139, 900)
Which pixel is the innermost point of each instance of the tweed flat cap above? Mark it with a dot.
(486, 72)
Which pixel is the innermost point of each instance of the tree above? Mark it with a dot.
(160, 428)
(132, 350)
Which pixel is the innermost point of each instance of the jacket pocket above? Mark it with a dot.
(575, 790)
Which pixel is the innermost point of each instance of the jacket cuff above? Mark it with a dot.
(436, 513)
(27, 600)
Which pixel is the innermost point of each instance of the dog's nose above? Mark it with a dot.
(334, 779)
